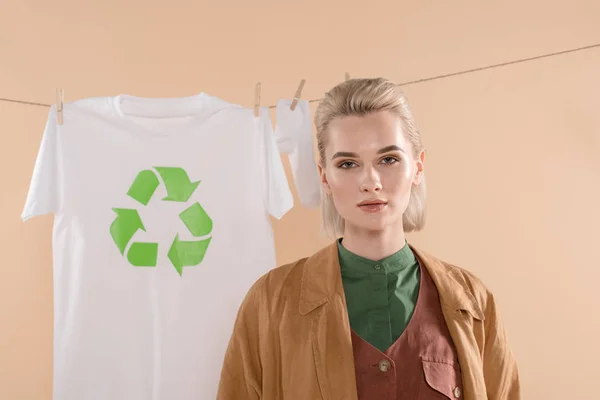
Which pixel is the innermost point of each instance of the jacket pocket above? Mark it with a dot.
(442, 380)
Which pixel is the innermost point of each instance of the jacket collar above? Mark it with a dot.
(321, 278)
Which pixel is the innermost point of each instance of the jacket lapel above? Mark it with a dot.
(451, 285)
(322, 299)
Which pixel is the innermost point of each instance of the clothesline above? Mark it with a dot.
(404, 83)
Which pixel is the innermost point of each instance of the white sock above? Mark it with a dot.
(294, 137)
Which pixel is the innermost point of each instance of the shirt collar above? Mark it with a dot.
(352, 263)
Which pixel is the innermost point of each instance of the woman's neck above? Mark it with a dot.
(374, 245)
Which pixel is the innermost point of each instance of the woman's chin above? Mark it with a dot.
(372, 225)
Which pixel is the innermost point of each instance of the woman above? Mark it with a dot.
(369, 316)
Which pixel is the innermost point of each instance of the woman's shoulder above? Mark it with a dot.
(457, 282)
(283, 276)
(470, 278)
(278, 285)
(444, 267)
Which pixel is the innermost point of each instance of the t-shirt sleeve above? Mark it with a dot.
(277, 193)
(45, 188)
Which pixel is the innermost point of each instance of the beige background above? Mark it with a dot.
(514, 152)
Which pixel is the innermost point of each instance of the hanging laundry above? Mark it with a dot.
(161, 227)
(294, 137)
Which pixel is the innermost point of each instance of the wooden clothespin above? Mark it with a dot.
(347, 76)
(297, 95)
(60, 99)
(257, 100)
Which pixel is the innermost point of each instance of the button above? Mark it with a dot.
(384, 365)
(457, 392)
(377, 266)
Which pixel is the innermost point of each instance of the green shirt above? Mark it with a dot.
(380, 295)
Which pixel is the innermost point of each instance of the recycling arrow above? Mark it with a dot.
(179, 186)
(187, 254)
(143, 254)
(123, 228)
(197, 220)
(143, 186)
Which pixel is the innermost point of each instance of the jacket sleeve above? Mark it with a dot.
(241, 374)
(499, 365)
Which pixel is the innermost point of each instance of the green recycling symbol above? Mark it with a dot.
(128, 221)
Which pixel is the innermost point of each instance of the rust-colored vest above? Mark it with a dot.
(421, 365)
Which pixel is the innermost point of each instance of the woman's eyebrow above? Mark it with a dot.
(390, 148)
(344, 154)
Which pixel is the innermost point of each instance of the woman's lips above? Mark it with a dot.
(372, 207)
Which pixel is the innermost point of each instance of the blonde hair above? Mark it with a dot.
(362, 97)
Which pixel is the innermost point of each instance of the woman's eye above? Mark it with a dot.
(389, 160)
(346, 164)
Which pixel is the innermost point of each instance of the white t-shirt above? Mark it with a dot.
(161, 226)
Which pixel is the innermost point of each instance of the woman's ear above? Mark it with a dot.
(323, 177)
(419, 167)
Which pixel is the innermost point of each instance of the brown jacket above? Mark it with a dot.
(292, 337)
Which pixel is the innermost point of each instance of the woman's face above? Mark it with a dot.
(369, 170)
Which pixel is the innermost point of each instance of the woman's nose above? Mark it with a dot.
(370, 181)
